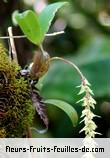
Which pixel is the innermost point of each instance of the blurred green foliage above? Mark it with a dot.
(86, 42)
(94, 61)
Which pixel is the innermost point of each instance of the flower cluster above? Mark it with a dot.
(88, 103)
(89, 128)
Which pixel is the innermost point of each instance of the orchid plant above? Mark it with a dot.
(35, 27)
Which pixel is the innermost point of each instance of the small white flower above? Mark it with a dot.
(86, 82)
(82, 90)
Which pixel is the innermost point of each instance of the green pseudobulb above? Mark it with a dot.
(16, 110)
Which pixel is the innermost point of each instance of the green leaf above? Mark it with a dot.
(67, 108)
(47, 16)
(35, 26)
(29, 24)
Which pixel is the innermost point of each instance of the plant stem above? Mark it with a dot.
(41, 48)
(54, 34)
(8, 37)
(24, 36)
(70, 63)
(29, 133)
(12, 44)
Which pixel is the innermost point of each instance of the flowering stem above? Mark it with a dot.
(87, 101)
(70, 63)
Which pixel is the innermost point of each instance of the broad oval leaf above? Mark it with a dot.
(47, 15)
(29, 24)
(67, 108)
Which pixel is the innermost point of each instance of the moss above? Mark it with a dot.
(2, 133)
(16, 110)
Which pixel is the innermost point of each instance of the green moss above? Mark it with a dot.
(16, 110)
(2, 133)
